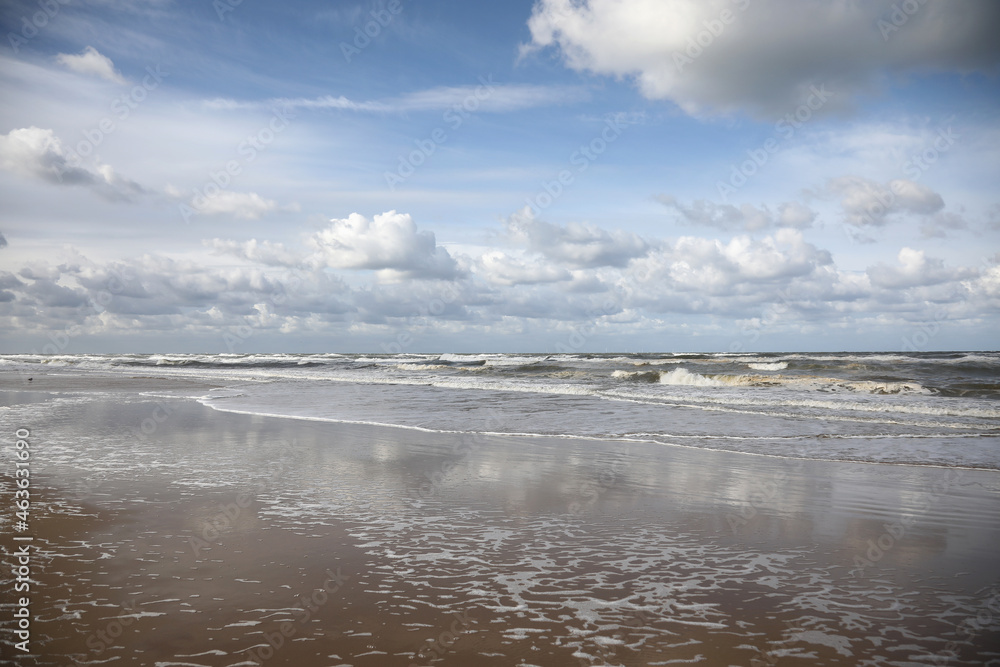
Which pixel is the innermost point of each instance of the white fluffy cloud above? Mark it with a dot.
(502, 269)
(762, 55)
(744, 218)
(709, 266)
(916, 270)
(867, 203)
(577, 245)
(92, 63)
(780, 279)
(38, 153)
(389, 242)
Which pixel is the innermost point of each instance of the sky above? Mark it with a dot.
(244, 176)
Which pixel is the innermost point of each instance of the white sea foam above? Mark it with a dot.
(684, 377)
(867, 396)
(768, 366)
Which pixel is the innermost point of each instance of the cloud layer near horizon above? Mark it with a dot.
(542, 272)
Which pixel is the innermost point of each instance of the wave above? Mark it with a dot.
(768, 366)
(638, 376)
(421, 367)
(684, 377)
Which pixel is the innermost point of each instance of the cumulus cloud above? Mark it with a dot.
(868, 203)
(259, 252)
(709, 265)
(744, 218)
(38, 153)
(502, 269)
(763, 56)
(92, 63)
(389, 242)
(780, 280)
(916, 270)
(576, 245)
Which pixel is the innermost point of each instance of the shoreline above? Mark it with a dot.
(568, 436)
(152, 383)
(496, 547)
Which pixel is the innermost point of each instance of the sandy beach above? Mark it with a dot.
(167, 533)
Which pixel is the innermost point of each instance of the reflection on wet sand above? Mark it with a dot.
(219, 535)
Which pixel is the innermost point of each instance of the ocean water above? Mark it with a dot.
(595, 546)
(935, 408)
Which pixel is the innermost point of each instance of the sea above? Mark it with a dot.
(921, 408)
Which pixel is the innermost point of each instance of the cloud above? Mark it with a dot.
(91, 62)
(939, 224)
(263, 252)
(576, 245)
(3, 241)
(38, 153)
(709, 264)
(490, 97)
(867, 203)
(487, 96)
(246, 205)
(744, 218)
(390, 242)
(916, 270)
(500, 268)
(762, 56)
(780, 282)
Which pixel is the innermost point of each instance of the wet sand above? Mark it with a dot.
(168, 533)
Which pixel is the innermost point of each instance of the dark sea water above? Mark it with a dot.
(935, 408)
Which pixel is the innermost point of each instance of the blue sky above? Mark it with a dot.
(737, 175)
